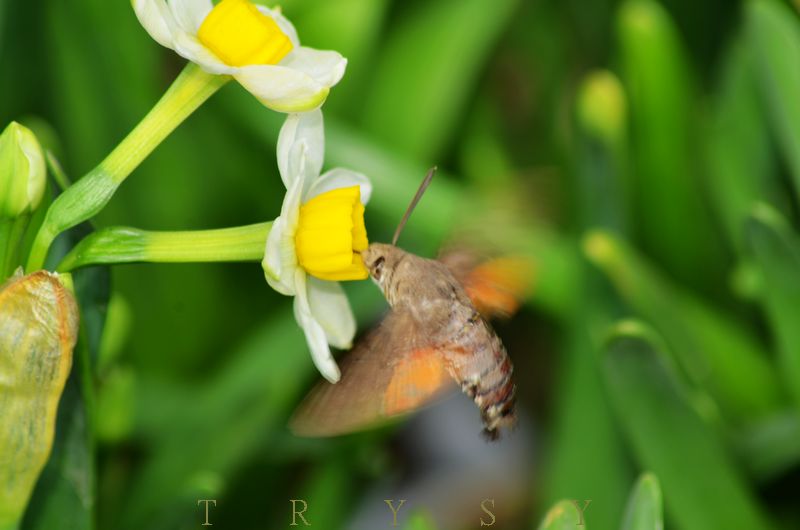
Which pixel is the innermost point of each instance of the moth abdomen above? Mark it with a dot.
(484, 370)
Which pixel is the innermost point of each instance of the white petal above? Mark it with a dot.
(301, 144)
(282, 89)
(329, 307)
(315, 334)
(280, 255)
(286, 27)
(189, 14)
(325, 67)
(157, 20)
(187, 45)
(340, 178)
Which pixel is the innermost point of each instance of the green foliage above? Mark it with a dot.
(647, 159)
(657, 412)
(644, 511)
(776, 249)
(674, 225)
(710, 346)
(563, 516)
(430, 63)
(419, 521)
(776, 42)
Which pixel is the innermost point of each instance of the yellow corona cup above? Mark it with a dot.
(331, 234)
(239, 34)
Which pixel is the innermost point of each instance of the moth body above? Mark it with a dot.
(472, 353)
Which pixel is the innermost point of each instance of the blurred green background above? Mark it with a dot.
(646, 155)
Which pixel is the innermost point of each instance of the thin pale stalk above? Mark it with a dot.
(129, 245)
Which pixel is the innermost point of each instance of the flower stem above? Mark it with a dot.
(128, 245)
(90, 194)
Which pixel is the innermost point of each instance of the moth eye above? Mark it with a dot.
(377, 266)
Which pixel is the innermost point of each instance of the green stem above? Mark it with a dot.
(11, 233)
(91, 193)
(128, 245)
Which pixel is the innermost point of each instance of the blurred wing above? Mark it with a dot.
(495, 286)
(392, 371)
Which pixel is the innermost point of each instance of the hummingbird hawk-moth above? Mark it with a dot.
(434, 338)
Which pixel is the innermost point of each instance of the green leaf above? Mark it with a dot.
(328, 492)
(64, 495)
(427, 71)
(776, 249)
(739, 152)
(252, 398)
(716, 351)
(602, 155)
(775, 34)
(674, 225)
(703, 487)
(419, 521)
(351, 27)
(645, 511)
(769, 448)
(563, 516)
(599, 470)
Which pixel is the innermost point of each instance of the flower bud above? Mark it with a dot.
(602, 107)
(38, 331)
(22, 172)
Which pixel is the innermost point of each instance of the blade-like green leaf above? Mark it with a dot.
(776, 249)
(603, 166)
(769, 448)
(739, 152)
(645, 511)
(64, 495)
(351, 27)
(675, 227)
(703, 487)
(775, 33)
(563, 516)
(329, 491)
(716, 351)
(427, 71)
(419, 521)
(576, 469)
(251, 398)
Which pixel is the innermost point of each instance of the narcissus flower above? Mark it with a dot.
(317, 239)
(257, 46)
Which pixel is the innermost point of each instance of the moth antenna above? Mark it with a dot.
(422, 187)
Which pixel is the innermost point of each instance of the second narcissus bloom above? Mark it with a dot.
(257, 46)
(317, 239)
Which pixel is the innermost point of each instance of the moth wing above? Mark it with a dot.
(495, 286)
(392, 371)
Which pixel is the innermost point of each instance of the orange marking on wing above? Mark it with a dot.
(416, 379)
(498, 285)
